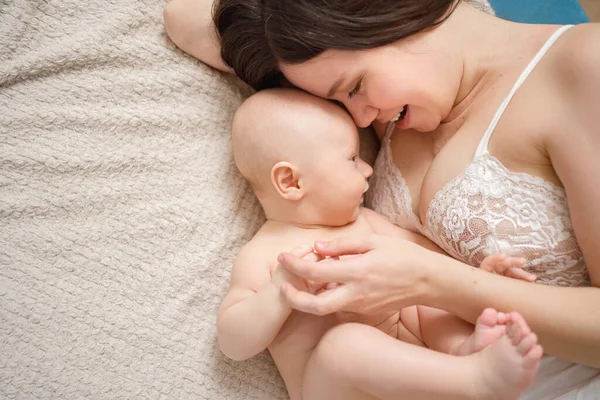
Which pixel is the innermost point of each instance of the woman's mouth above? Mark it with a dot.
(400, 116)
(403, 119)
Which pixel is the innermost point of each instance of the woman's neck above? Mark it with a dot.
(491, 47)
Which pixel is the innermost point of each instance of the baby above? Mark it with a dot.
(300, 154)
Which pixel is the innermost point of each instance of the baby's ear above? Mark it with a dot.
(284, 177)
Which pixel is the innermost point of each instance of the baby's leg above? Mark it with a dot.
(359, 362)
(437, 329)
(447, 333)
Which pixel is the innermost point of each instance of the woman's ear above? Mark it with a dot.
(286, 180)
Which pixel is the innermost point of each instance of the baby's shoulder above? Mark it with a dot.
(256, 251)
(252, 266)
(265, 246)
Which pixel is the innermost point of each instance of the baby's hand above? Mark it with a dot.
(511, 267)
(282, 275)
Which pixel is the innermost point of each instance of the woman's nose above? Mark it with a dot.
(363, 114)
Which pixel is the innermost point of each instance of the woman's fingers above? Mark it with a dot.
(311, 256)
(305, 252)
(345, 246)
(331, 271)
(324, 303)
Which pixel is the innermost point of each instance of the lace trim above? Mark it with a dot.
(389, 193)
(489, 209)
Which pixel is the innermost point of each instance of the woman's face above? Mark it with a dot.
(377, 84)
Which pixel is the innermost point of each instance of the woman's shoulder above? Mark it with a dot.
(577, 55)
(574, 70)
(575, 79)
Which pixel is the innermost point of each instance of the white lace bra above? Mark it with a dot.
(488, 209)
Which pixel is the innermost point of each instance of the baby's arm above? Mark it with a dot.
(253, 311)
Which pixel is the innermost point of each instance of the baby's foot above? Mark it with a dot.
(490, 326)
(507, 366)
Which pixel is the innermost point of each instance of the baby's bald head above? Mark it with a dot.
(280, 125)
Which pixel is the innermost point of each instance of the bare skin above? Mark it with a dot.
(554, 120)
(188, 23)
(510, 360)
(318, 356)
(551, 118)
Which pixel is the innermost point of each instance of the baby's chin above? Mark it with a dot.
(343, 220)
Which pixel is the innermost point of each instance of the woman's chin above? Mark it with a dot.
(426, 126)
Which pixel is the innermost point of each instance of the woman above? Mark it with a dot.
(451, 91)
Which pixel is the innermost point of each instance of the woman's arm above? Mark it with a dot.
(567, 320)
(189, 25)
(390, 273)
(574, 147)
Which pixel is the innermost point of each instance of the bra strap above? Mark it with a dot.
(483, 144)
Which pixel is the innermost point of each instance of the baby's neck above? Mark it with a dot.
(298, 218)
(300, 214)
(297, 224)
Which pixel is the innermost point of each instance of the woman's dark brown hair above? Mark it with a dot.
(256, 35)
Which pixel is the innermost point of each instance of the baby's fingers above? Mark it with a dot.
(514, 261)
(491, 263)
(520, 273)
(305, 252)
(501, 263)
(332, 271)
(326, 302)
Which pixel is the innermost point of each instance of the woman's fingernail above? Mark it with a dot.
(320, 244)
(281, 258)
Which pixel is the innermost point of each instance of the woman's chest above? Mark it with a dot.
(475, 198)
(428, 162)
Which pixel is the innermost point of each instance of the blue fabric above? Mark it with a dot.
(540, 11)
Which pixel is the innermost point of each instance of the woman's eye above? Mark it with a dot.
(355, 89)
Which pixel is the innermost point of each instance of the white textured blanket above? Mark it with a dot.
(120, 209)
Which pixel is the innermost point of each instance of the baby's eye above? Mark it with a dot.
(353, 158)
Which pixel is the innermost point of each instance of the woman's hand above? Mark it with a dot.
(282, 276)
(381, 273)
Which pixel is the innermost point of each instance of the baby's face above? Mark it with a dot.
(337, 176)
